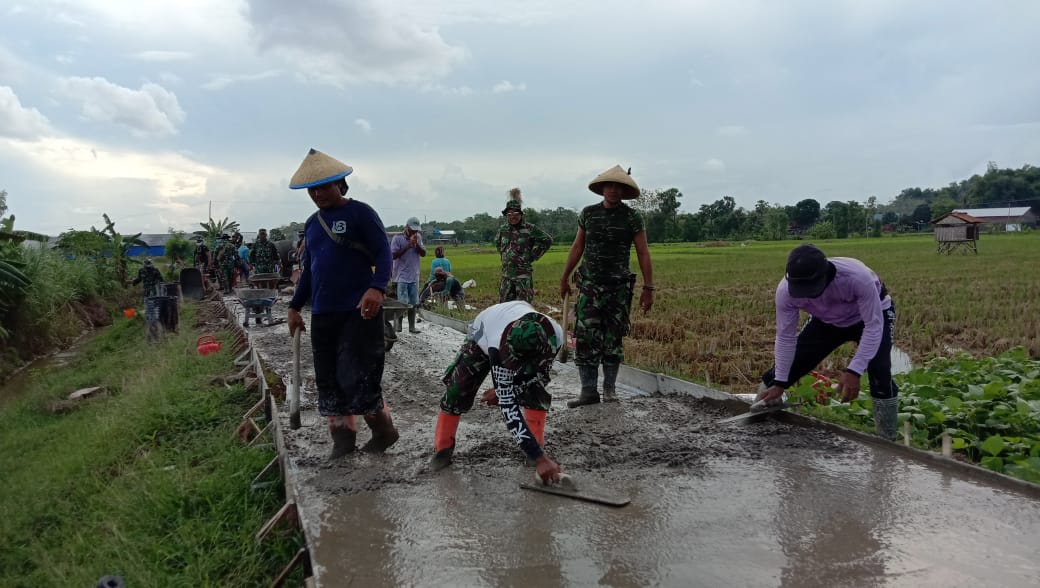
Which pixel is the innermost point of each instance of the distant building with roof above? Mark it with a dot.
(1008, 218)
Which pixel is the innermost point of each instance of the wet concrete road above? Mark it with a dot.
(769, 504)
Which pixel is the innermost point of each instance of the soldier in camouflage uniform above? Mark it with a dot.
(516, 345)
(520, 244)
(606, 233)
(151, 276)
(227, 256)
(264, 255)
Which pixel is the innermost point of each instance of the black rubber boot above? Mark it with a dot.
(411, 321)
(343, 441)
(588, 374)
(442, 459)
(610, 372)
(384, 434)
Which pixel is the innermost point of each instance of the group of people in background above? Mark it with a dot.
(347, 265)
(231, 261)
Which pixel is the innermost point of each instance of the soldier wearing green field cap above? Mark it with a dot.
(519, 244)
(606, 233)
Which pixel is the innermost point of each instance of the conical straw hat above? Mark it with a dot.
(620, 176)
(317, 169)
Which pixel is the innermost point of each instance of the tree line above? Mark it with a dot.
(723, 220)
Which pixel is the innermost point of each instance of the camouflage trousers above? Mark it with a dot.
(226, 276)
(601, 322)
(516, 288)
(464, 376)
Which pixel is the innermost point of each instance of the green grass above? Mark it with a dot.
(713, 317)
(147, 482)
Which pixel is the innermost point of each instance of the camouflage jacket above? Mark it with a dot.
(263, 256)
(151, 277)
(520, 246)
(226, 254)
(609, 234)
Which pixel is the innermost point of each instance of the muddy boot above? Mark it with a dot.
(588, 375)
(886, 413)
(610, 372)
(384, 434)
(343, 431)
(411, 321)
(444, 440)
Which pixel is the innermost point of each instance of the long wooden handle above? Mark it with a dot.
(294, 396)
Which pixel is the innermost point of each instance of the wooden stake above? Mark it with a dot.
(947, 445)
(906, 432)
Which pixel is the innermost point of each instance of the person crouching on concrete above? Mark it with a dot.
(516, 344)
(846, 301)
(345, 241)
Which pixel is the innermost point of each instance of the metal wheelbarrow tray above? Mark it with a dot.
(257, 301)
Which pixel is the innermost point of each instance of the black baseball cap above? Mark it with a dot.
(808, 272)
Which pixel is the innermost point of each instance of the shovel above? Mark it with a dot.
(294, 394)
(565, 350)
(568, 488)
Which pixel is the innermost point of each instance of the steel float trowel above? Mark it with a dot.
(757, 412)
(568, 488)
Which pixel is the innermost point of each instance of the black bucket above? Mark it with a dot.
(162, 309)
(172, 289)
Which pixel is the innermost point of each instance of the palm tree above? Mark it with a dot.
(213, 229)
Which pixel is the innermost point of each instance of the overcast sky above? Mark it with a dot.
(151, 111)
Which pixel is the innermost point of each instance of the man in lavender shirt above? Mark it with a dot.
(845, 301)
(406, 249)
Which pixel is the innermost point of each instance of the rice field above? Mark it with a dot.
(713, 317)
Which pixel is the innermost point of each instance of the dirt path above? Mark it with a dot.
(761, 505)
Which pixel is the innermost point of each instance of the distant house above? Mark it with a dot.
(957, 231)
(1006, 219)
(156, 246)
(445, 236)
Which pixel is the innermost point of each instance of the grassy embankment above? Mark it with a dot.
(147, 482)
(713, 317)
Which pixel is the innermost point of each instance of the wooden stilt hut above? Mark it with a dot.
(956, 231)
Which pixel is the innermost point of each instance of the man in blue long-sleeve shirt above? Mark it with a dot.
(345, 271)
(845, 301)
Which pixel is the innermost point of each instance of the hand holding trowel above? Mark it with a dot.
(768, 401)
(566, 486)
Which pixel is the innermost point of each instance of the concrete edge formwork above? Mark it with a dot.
(643, 382)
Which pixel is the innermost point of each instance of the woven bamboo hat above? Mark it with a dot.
(620, 176)
(317, 169)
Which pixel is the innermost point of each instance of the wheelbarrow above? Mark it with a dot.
(267, 281)
(258, 302)
(394, 312)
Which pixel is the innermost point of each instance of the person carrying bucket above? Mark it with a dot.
(150, 276)
(515, 344)
(345, 271)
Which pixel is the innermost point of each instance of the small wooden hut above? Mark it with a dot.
(957, 231)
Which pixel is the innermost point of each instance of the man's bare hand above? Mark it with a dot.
(646, 300)
(489, 397)
(371, 303)
(565, 287)
(295, 322)
(848, 386)
(547, 469)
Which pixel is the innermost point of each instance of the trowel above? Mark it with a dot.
(757, 412)
(568, 488)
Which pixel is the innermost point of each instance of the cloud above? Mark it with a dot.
(223, 81)
(150, 111)
(431, 88)
(352, 42)
(714, 165)
(17, 121)
(731, 131)
(162, 56)
(363, 124)
(507, 86)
